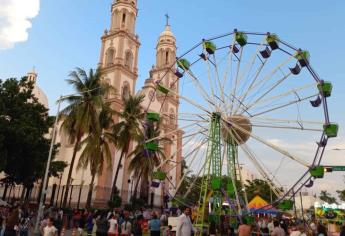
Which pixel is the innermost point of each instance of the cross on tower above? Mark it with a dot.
(167, 19)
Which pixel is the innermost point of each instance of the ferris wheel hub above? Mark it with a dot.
(236, 129)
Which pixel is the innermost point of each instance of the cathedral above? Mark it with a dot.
(119, 65)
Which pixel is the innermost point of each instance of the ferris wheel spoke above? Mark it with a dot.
(244, 96)
(251, 156)
(190, 101)
(279, 121)
(233, 92)
(199, 86)
(194, 181)
(271, 145)
(275, 85)
(170, 133)
(220, 87)
(285, 94)
(287, 127)
(268, 76)
(254, 161)
(190, 164)
(275, 185)
(209, 77)
(284, 105)
(228, 64)
(191, 138)
(248, 68)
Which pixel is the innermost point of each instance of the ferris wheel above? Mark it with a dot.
(249, 99)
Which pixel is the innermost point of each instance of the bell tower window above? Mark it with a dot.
(167, 57)
(128, 60)
(123, 18)
(109, 59)
(126, 90)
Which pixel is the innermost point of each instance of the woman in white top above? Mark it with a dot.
(113, 226)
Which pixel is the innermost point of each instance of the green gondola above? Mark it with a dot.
(153, 116)
(162, 89)
(183, 64)
(241, 38)
(160, 175)
(331, 130)
(303, 57)
(272, 40)
(317, 172)
(325, 88)
(285, 205)
(151, 146)
(210, 47)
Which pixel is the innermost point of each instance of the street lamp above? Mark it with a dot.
(44, 190)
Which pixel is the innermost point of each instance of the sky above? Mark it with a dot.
(57, 36)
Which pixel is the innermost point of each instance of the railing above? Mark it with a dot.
(77, 196)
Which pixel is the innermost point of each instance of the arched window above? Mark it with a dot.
(167, 57)
(126, 90)
(109, 57)
(128, 60)
(123, 18)
(172, 117)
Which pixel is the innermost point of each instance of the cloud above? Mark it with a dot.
(15, 16)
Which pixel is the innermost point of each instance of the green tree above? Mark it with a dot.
(96, 150)
(259, 187)
(127, 130)
(81, 115)
(327, 197)
(190, 187)
(24, 125)
(341, 195)
(143, 161)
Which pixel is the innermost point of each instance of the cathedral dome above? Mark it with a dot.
(41, 96)
(37, 91)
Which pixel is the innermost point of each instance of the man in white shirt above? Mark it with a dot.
(184, 224)
(50, 229)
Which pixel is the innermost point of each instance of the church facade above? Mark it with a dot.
(119, 65)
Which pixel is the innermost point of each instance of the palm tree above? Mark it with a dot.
(80, 116)
(127, 130)
(96, 151)
(144, 162)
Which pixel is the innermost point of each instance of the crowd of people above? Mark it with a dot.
(19, 221)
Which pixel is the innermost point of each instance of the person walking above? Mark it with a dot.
(277, 231)
(155, 225)
(126, 227)
(213, 228)
(24, 226)
(102, 225)
(136, 229)
(244, 229)
(113, 226)
(12, 223)
(50, 229)
(184, 224)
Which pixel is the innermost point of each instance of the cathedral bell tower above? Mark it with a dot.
(167, 105)
(120, 46)
(119, 67)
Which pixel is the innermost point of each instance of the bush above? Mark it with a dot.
(137, 203)
(116, 202)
